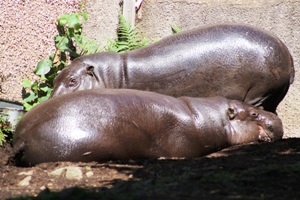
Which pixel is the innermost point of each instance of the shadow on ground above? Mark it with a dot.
(254, 171)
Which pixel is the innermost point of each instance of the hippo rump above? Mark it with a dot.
(101, 125)
(231, 60)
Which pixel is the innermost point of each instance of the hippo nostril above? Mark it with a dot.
(270, 128)
(264, 135)
(270, 132)
(264, 138)
(254, 114)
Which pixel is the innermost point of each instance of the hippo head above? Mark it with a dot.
(87, 72)
(249, 123)
(77, 76)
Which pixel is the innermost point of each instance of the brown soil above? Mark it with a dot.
(254, 171)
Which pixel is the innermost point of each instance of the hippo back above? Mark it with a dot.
(235, 61)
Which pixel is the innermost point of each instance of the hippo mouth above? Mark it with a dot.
(270, 128)
(267, 135)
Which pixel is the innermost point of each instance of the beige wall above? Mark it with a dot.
(103, 19)
(28, 30)
(281, 17)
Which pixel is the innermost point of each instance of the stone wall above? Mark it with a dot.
(28, 28)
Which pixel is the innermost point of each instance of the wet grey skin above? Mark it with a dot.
(120, 124)
(235, 61)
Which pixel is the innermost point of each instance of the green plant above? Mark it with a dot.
(5, 129)
(175, 29)
(70, 43)
(128, 38)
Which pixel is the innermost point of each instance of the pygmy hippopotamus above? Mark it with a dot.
(101, 125)
(232, 60)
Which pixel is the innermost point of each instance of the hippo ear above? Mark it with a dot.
(231, 113)
(90, 70)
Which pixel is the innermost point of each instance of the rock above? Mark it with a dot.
(25, 181)
(57, 172)
(72, 173)
(89, 174)
(29, 173)
(42, 188)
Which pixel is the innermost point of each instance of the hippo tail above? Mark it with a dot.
(17, 153)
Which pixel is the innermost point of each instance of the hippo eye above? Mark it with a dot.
(72, 82)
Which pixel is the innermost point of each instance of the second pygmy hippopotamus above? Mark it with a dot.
(231, 60)
(101, 125)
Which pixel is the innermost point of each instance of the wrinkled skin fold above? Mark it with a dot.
(235, 61)
(101, 125)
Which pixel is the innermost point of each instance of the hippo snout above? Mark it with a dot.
(271, 130)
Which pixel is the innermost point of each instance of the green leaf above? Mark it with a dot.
(70, 32)
(144, 42)
(59, 39)
(51, 57)
(74, 54)
(62, 43)
(85, 16)
(175, 29)
(63, 19)
(52, 76)
(49, 92)
(35, 87)
(78, 39)
(28, 106)
(26, 83)
(44, 98)
(78, 28)
(43, 67)
(43, 78)
(44, 88)
(123, 43)
(128, 38)
(32, 96)
(122, 48)
(88, 46)
(73, 20)
(156, 39)
(2, 138)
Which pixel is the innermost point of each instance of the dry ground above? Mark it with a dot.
(254, 171)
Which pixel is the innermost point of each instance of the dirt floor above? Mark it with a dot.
(254, 171)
